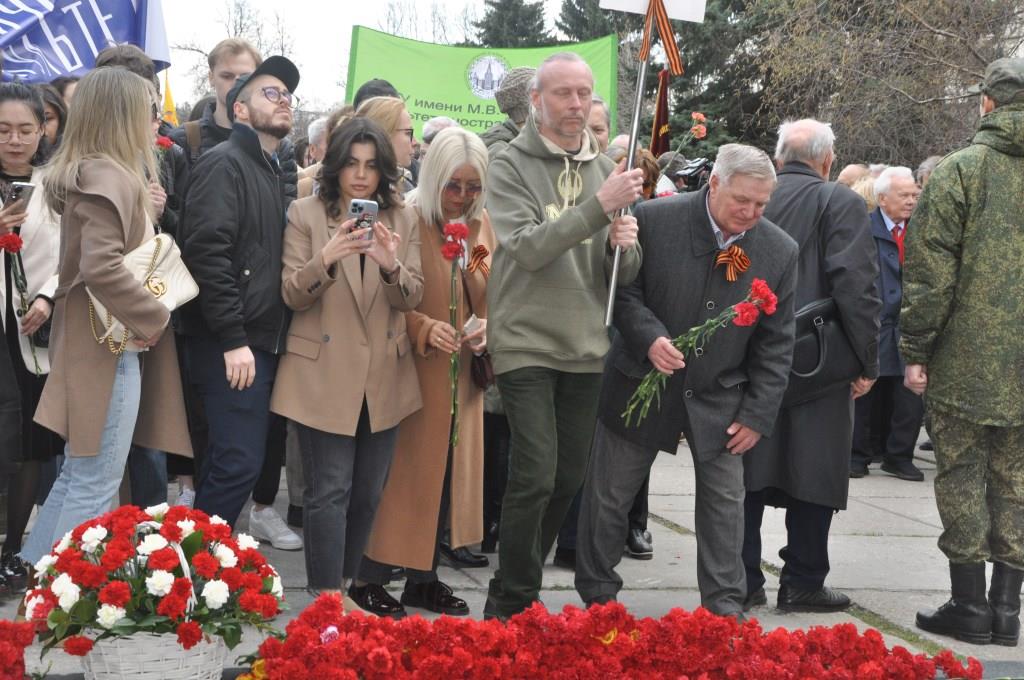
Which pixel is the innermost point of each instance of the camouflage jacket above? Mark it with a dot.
(963, 288)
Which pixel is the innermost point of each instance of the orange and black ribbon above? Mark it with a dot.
(476, 261)
(656, 13)
(735, 260)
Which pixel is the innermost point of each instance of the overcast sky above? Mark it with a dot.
(321, 31)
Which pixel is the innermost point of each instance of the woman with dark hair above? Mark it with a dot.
(27, 286)
(347, 378)
(55, 114)
(65, 86)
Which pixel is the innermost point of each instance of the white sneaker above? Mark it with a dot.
(267, 525)
(186, 497)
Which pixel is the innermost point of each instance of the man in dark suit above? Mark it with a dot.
(901, 410)
(723, 398)
(804, 465)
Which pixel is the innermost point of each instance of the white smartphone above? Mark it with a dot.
(364, 213)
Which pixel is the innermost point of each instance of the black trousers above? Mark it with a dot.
(806, 551)
(497, 438)
(898, 424)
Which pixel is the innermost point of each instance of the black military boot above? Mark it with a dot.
(967, 616)
(1004, 598)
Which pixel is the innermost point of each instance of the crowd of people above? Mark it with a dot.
(414, 330)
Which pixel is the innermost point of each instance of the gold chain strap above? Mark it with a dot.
(118, 348)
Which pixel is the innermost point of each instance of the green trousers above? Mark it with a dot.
(979, 489)
(552, 416)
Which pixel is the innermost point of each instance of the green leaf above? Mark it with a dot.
(232, 634)
(192, 544)
(83, 612)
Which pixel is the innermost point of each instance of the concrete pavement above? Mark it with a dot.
(883, 554)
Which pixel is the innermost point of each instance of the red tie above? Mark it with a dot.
(897, 233)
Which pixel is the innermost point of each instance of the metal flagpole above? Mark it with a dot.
(634, 131)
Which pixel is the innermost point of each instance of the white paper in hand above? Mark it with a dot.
(683, 10)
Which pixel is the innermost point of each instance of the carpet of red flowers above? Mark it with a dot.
(600, 642)
(14, 638)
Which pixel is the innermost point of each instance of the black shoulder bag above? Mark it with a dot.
(823, 357)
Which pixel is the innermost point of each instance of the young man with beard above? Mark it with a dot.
(232, 234)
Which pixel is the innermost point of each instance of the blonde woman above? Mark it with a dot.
(430, 483)
(96, 399)
(391, 115)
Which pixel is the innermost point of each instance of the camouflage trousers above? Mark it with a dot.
(979, 489)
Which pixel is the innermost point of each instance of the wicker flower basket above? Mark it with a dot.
(147, 656)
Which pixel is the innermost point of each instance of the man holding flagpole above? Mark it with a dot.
(551, 196)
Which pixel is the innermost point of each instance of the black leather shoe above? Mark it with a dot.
(565, 558)
(927, 445)
(14, 570)
(294, 516)
(462, 558)
(755, 599)
(822, 600)
(1004, 598)
(637, 546)
(967, 615)
(490, 542)
(903, 469)
(858, 469)
(374, 599)
(434, 596)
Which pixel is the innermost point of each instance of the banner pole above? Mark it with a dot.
(634, 131)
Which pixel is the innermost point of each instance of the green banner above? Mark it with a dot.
(460, 82)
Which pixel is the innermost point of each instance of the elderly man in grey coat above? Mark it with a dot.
(723, 398)
(804, 465)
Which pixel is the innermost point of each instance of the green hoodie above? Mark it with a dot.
(962, 284)
(549, 278)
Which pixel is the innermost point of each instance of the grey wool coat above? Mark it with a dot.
(807, 455)
(742, 373)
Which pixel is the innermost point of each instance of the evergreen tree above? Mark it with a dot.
(582, 20)
(513, 23)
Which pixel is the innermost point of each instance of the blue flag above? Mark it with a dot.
(43, 39)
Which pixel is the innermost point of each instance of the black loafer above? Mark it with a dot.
(462, 558)
(434, 596)
(637, 545)
(374, 599)
(822, 600)
(565, 558)
(755, 599)
(903, 469)
(927, 445)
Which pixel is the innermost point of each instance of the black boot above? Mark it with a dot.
(490, 542)
(1004, 598)
(967, 616)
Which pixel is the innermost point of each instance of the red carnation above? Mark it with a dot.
(451, 250)
(698, 117)
(205, 564)
(456, 231)
(252, 581)
(265, 605)
(182, 587)
(233, 577)
(171, 531)
(251, 558)
(116, 553)
(78, 645)
(11, 243)
(165, 143)
(165, 559)
(699, 131)
(172, 606)
(116, 594)
(746, 314)
(761, 293)
(189, 634)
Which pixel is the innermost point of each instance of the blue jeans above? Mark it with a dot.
(147, 476)
(87, 485)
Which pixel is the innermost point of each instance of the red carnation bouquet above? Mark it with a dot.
(454, 250)
(744, 313)
(160, 570)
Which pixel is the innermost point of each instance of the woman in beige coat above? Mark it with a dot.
(430, 482)
(98, 400)
(347, 377)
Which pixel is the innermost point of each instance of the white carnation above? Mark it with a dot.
(225, 555)
(215, 593)
(276, 588)
(44, 564)
(30, 607)
(61, 584)
(108, 615)
(188, 527)
(157, 511)
(64, 543)
(217, 519)
(151, 543)
(67, 592)
(159, 583)
(247, 542)
(92, 537)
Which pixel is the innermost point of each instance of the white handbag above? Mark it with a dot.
(158, 267)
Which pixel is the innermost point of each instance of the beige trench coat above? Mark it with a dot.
(405, 527)
(102, 221)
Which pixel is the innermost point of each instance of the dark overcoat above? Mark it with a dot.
(743, 371)
(890, 290)
(808, 454)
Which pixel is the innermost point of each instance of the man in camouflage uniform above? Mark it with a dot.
(964, 350)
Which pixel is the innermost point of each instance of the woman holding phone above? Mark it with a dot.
(28, 280)
(347, 378)
(432, 484)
